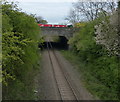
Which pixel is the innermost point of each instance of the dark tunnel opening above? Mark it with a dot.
(60, 45)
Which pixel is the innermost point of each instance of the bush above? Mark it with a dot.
(99, 63)
(20, 52)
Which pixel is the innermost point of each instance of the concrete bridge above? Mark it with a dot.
(67, 32)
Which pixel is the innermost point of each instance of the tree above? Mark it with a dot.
(119, 4)
(39, 19)
(90, 10)
(74, 16)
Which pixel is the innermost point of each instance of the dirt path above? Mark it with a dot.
(47, 87)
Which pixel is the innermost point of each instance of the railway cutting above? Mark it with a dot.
(65, 89)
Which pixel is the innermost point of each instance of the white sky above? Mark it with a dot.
(64, 0)
(54, 11)
(44, 0)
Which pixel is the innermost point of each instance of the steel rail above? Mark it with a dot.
(53, 68)
(49, 46)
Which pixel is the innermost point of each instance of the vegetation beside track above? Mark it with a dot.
(95, 62)
(20, 53)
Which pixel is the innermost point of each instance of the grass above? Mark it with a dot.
(95, 87)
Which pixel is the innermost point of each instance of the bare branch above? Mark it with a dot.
(90, 10)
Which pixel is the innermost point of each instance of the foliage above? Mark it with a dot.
(20, 50)
(78, 25)
(39, 19)
(107, 34)
(98, 63)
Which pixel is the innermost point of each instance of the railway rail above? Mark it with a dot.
(64, 87)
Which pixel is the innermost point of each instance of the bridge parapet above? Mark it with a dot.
(51, 31)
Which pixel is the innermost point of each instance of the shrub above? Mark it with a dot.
(99, 63)
(20, 51)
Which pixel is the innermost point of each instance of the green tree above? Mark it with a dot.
(20, 52)
(39, 19)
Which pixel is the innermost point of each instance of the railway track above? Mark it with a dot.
(64, 87)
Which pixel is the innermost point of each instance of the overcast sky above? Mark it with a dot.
(54, 11)
(45, 0)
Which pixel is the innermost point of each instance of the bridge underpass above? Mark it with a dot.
(62, 34)
(61, 44)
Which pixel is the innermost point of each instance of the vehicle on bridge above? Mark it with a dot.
(52, 25)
